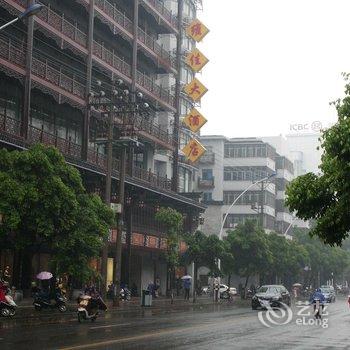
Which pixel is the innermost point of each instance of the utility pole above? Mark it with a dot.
(118, 247)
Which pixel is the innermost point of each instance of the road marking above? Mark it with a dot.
(111, 325)
(145, 336)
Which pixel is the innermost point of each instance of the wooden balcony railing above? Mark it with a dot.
(15, 54)
(66, 27)
(161, 10)
(151, 43)
(114, 13)
(150, 127)
(67, 147)
(143, 80)
(44, 70)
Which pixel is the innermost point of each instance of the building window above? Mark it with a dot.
(232, 150)
(249, 198)
(207, 174)
(246, 173)
(207, 196)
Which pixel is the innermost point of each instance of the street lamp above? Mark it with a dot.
(235, 201)
(30, 11)
(290, 226)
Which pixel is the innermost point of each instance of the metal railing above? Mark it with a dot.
(206, 183)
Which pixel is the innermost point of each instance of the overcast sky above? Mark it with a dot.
(273, 62)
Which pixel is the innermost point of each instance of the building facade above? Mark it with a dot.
(228, 168)
(52, 64)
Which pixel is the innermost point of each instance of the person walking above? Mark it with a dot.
(187, 287)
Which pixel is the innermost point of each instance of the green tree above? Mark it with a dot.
(288, 259)
(326, 197)
(173, 222)
(323, 259)
(249, 246)
(43, 202)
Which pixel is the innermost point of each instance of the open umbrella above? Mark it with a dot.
(186, 277)
(44, 275)
(296, 285)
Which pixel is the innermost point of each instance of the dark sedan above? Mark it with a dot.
(273, 295)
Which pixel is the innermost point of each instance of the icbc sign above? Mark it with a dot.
(315, 126)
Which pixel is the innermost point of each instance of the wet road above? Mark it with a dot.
(211, 327)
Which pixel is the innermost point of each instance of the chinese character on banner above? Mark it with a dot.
(193, 150)
(196, 60)
(194, 120)
(197, 30)
(195, 90)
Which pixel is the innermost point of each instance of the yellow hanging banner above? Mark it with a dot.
(193, 150)
(195, 90)
(194, 120)
(197, 30)
(196, 60)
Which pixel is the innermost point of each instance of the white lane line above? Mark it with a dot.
(112, 325)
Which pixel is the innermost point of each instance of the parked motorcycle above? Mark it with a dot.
(89, 307)
(7, 305)
(43, 301)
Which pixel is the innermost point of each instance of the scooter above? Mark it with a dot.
(88, 307)
(43, 302)
(125, 294)
(7, 305)
(317, 308)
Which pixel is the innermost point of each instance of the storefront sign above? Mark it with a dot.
(194, 120)
(196, 60)
(197, 30)
(195, 90)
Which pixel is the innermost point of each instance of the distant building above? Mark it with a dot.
(228, 168)
(301, 149)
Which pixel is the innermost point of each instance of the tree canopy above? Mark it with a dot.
(326, 197)
(248, 245)
(43, 202)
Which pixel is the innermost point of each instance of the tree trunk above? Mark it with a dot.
(229, 280)
(16, 271)
(26, 269)
(245, 287)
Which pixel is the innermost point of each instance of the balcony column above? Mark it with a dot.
(28, 77)
(176, 133)
(87, 114)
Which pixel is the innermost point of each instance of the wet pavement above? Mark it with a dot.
(225, 326)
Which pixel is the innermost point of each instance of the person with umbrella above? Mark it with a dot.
(187, 285)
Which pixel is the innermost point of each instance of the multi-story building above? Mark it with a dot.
(50, 65)
(228, 168)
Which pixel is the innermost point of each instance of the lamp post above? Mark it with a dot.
(119, 109)
(30, 11)
(235, 201)
(290, 226)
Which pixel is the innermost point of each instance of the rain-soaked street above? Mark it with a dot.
(219, 327)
